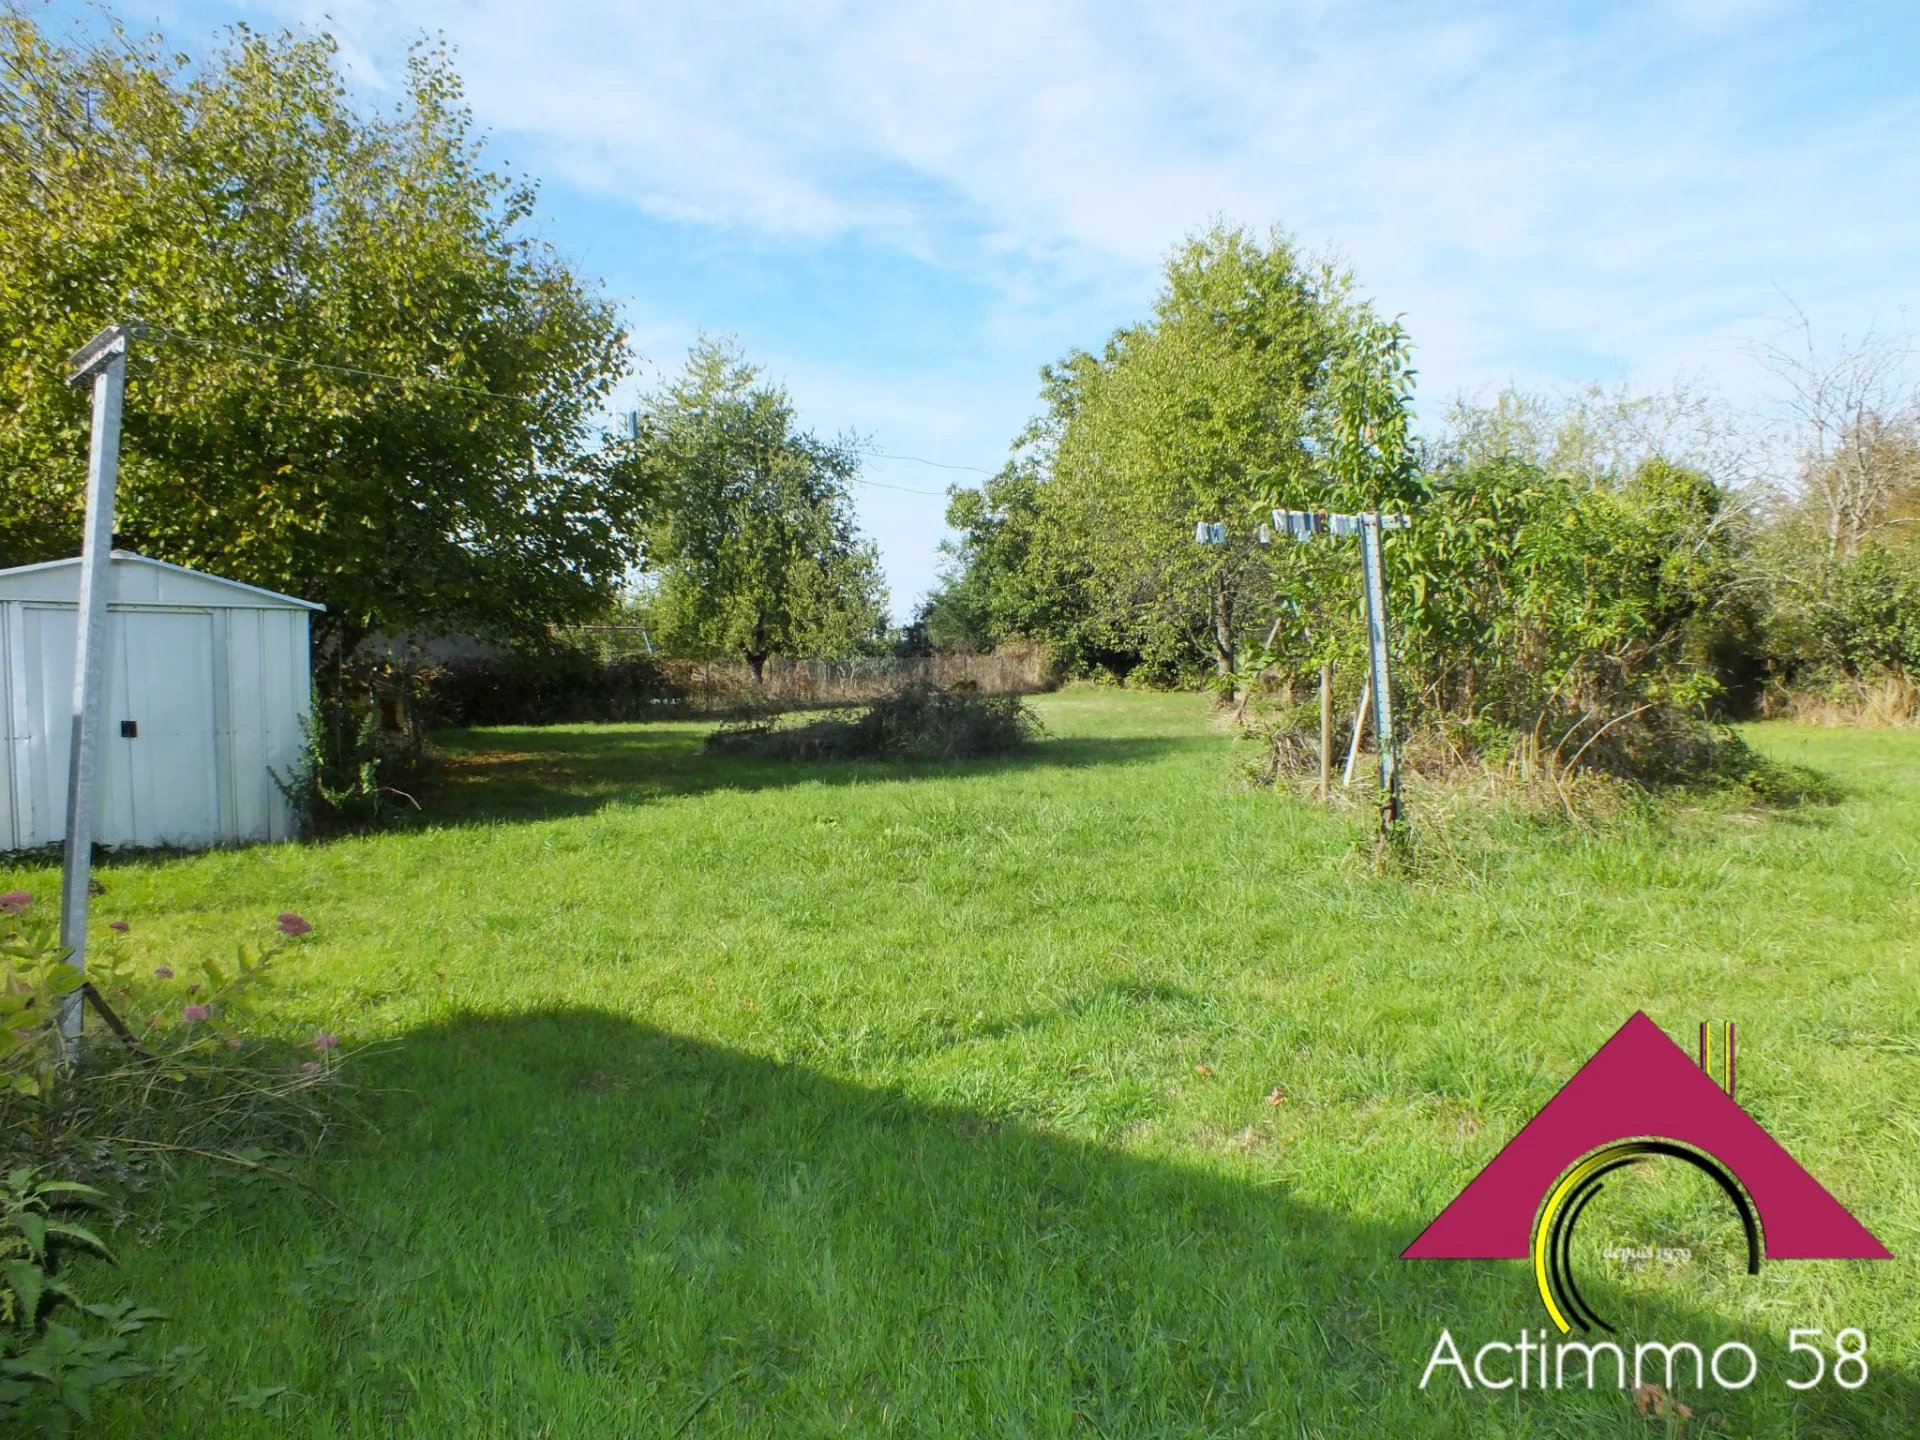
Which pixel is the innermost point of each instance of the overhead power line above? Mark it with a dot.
(917, 460)
(904, 489)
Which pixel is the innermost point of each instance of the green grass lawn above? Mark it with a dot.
(713, 1097)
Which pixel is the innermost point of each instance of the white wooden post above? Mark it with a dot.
(103, 361)
(1360, 714)
(1326, 732)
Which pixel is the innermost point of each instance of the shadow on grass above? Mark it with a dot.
(544, 773)
(579, 1226)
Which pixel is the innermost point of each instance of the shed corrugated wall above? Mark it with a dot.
(258, 722)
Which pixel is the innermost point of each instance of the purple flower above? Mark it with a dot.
(15, 901)
(325, 1041)
(194, 1012)
(309, 1067)
(122, 926)
(163, 972)
(292, 924)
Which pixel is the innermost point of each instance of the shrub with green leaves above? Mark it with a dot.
(170, 1056)
(365, 749)
(57, 1351)
(1868, 620)
(1562, 618)
(1544, 622)
(34, 983)
(158, 1014)
(916, 722)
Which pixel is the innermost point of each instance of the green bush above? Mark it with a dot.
(1870, 622)
(1548, 603)
(1543, 623)
(365, 750)
(50, 1370)
(1840, 633)
(165, 1021)
(916, 722)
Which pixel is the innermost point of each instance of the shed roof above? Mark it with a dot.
(138, 580)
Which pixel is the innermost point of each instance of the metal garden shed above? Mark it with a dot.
(207, 685)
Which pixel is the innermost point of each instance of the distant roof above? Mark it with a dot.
(139, 580)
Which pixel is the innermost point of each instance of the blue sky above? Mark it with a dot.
(902, 210)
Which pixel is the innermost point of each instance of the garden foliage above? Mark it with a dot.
(916, 722)
(755, 552)
(1589, 582)
(365, 748)
(52, 1362)
(170, 1070)
(1563, 619)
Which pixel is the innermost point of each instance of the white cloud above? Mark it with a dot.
(1528, 183)
(1084, 139)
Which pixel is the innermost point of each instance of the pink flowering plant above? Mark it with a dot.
(161, 1013)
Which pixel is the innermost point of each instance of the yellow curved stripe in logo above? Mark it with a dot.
(1582, 1182)
(1543, 1228)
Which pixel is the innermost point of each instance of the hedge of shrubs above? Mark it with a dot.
(564, 686)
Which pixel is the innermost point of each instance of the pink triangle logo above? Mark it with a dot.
(1640, 1094)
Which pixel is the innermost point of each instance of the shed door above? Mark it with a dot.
(170, 759)
(155, 787)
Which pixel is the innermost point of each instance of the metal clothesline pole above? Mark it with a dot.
(1373, 577)
(1368, 525)
(101, 362)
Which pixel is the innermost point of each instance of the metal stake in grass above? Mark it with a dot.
(1304, 525)
(101, 362)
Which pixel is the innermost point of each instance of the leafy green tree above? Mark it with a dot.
(948, 621)
(995, 586)
(757, 553)
(290, 253)
(1206, 411)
